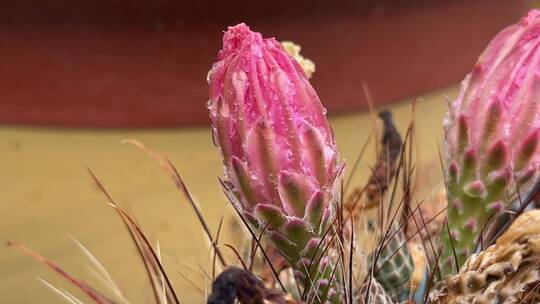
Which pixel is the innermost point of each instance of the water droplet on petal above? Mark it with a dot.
(209, 75)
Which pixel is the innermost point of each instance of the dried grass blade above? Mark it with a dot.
(154, 256)
(168, 166)
(62, 293)
(100, 271)
(151, 269)
(89, 291)
(237, 254)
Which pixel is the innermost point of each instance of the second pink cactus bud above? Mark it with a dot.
(496, 117)
(492, 131)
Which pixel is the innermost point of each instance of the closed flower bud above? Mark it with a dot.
(496, 116)
(277, 146)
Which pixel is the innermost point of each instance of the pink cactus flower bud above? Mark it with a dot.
(497, 107)
(278, 150)
(492, 131)
(277, 146)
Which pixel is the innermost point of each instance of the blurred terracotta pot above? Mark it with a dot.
(140, 64)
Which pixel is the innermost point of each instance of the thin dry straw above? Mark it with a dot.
(100, 271)
(408, 136)
(445, 221)
(87, 289)
(331, 278)
(312, 262)
(431, 277)
(530, 292)
(380, 197)
(146, 252)
(456, 263)
(61, 292)
(419, 229)
(141, 250)
(394, 188)
(426, 223)
(425, 226)
(254, 246)
(351, 262)
(377, 256)
(154, 255)
(533, 193)
(370, 102)
(237, 255)
(403, 201)
(179, 182)
(218, 233)
(354, 168)
(374, 178)
(397, 173)
(190, 282)
(406, 184)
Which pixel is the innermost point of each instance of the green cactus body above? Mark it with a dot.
(375, 294)
(394, 265)
(492, 135)
(476, 191)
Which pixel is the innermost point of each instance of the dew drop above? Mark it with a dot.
(209, 75)
(214, 139)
